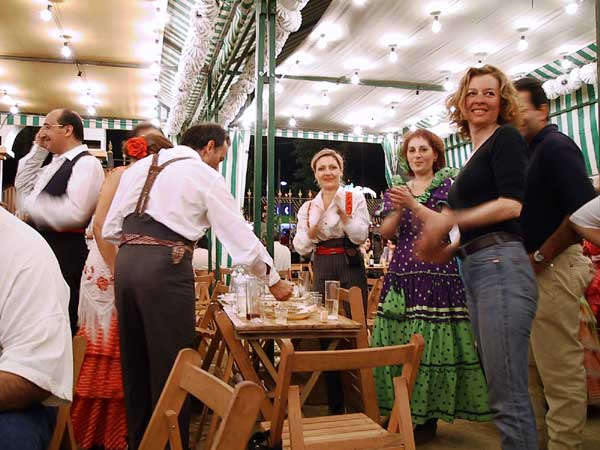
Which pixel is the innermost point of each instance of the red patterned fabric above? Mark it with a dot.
(98, 411)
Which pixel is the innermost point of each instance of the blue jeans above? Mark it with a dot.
(502, 298)
(29, 429)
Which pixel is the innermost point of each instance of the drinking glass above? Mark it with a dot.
(332, 293)
(281, 314)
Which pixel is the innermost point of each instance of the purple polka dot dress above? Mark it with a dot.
(427, 298)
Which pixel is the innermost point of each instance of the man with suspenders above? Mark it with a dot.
(59, 198)
(164, 204)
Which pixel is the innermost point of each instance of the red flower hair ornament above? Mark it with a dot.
(137, 147)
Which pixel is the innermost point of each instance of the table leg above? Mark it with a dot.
(262, 355)
(242, 358)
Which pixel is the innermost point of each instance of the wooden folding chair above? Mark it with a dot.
(237, 407)
(223, 273)
(63, 436)
(373, 301)
(358, 387)
(219, 289)
(346, 431)
(203, 285)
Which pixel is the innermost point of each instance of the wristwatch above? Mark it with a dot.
(538, 257)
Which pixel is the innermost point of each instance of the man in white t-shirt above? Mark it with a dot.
(36, 363)
(282, 257)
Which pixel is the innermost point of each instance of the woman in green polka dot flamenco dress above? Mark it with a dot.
(427, 298)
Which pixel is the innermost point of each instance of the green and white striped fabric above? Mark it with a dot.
(580, 58)
(326, 135)
(234, 169)
(30, 120)
(458, 150)
(576, 115)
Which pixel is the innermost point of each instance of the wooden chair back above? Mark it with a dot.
(409, 356)
(63, 436)
(359, 389)
(374, 296)
(203, 284)
(237, 407)
(223, 273)
(220, 288)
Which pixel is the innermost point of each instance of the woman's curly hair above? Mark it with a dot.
(509, 104)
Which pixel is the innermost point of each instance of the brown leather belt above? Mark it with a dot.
(487, 240)
(179, 247)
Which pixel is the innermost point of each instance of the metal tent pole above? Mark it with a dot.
(272, 10)
(261, 13)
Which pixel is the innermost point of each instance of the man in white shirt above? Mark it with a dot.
(282, 256)
(59, 198)
(36, 363)
(164, 204)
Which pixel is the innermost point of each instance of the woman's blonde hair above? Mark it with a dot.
(327, 152)
(509, 105)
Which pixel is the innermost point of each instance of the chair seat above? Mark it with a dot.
(344, 432)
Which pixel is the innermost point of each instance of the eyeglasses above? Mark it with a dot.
(47, 127)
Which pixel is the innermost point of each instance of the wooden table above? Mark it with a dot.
(234, 329)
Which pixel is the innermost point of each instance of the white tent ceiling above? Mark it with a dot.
(469, 28)
(116, 37)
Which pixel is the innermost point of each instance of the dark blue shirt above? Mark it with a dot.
(556, 185)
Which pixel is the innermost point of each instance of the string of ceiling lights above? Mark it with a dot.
(324, 35)
(50, 12)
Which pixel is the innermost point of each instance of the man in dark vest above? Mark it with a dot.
(59, 198)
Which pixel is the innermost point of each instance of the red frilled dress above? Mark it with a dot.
(98, 410)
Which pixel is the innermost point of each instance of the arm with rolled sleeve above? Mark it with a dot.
(302, 243)
(75, 208)
(357, 227)
(29, 169)
(230, 227)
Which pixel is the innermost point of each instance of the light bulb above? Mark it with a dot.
(571, 8)
(66, 50)
(155, 68)
(355, 79)
(325, 98)
(307, 112)
(412, 128)
(360, 3)
(372, 122)
(91, 110)
(321, 43)
(479, 64)
(87, 99)
(448, 85)
(278, 87)
(155, 86)
(292, 122)
(295, 69)
(565, 63)
(14, 109)
(391, 112)
(523, 44)
(357, 130)
(393, 55)
(7, 99)
(46, 14)
(436, 26)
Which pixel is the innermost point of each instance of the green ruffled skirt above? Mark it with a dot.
(450, 383)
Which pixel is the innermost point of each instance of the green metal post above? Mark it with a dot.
(261, 10)
(271, 132)
(597, 5)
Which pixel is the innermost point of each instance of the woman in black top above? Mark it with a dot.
(501, 288)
